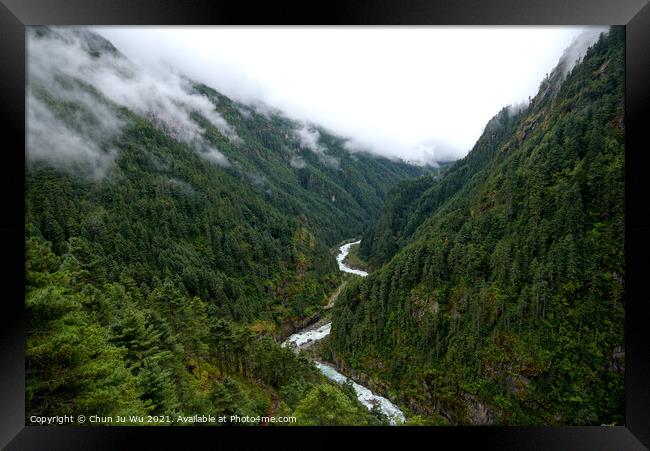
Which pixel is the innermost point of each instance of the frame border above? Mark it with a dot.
(635, 14)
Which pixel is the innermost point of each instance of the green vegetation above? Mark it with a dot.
(325, 405)
(354, 260)
(501, 297)
(162, 286)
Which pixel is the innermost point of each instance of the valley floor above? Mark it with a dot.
(307, 337)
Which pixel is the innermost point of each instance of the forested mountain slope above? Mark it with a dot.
(170, 232)
(501, 299)
(413, 200)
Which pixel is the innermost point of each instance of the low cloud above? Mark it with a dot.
(421, 153)
(574, 53)
(214, 155)
(244, 111)
(63, 56)
(297, 162)
(263, 108)
(309, 138)
(432, 152)
(396, 92)
(181, 186)
(517, 108)
(256, 179)
(353, 145)
(50, 139)
(420, 95)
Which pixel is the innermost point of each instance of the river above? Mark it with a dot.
(310, 335)
(343, 252)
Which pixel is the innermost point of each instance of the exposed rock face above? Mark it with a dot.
(378, 387)
(292, 327)
(478, 413)
(517, 384)
(617, 362)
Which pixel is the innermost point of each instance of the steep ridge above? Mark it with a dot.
(501, 299)
(412, 201)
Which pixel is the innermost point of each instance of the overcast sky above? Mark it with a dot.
(420, 93)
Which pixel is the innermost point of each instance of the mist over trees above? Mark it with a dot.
(174, 237)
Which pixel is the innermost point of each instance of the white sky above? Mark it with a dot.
(414, 92)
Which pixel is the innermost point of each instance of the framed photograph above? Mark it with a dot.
(424, 220)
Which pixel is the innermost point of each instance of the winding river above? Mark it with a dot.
(343, 252)
(310, 335)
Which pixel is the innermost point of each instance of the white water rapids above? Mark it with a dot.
(343, 252)
(309, 336)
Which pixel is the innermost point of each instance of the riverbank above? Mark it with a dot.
(318, 330)
(343, 253)
(354, 260)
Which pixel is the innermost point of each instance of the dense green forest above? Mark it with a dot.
(500, 299)
(174, 237)
(163, 284)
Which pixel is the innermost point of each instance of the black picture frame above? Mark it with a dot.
(16, 14)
